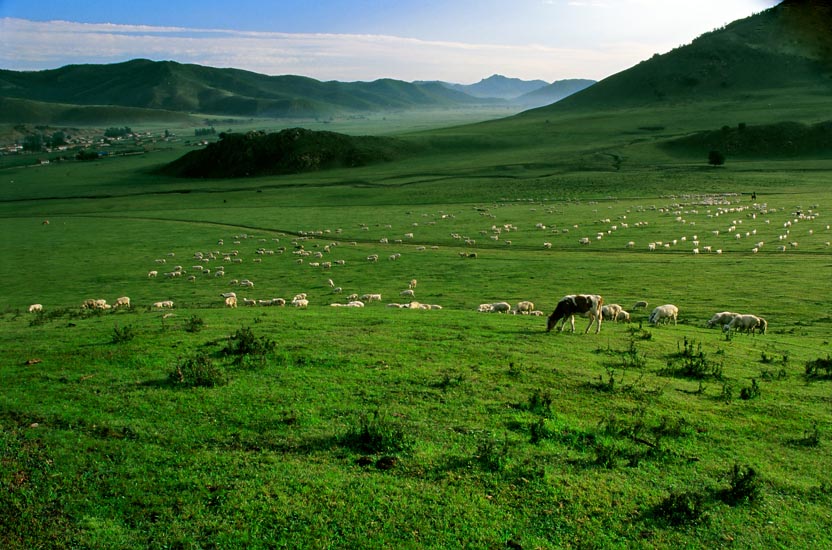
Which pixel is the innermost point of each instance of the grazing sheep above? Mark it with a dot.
(231, 301)
(639, 305)
(408, 292)
(485, 308)
(523, 308)
(746, 323)
(610, 312)
(301, 296)
(122, 301)
(229, 294)
(153, 273)
(302, 303)
(622, 316)
(664, 313)
(721, 319)
(412, 283)
(163, 304)
(500, 307)
(371, 298)
(35, 308)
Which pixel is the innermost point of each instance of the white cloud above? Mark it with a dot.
(32, 45)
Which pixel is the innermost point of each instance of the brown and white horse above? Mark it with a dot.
(587, 305)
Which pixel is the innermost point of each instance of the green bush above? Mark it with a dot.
(681, 508)
(198, 371)
(247, 348)
(376, 434)
(194, 324)
(123, 334)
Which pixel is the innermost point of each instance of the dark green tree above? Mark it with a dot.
(715, 158)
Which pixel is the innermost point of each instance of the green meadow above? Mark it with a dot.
(203, 426)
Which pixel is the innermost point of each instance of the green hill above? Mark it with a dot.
(13, 110)
(172, 86)
(289, 151)
(786, 47)
(784, 139)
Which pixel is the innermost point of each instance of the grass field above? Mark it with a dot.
(378, 427)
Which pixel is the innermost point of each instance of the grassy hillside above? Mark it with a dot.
(14, 110)
(384, 427)
(785, 47)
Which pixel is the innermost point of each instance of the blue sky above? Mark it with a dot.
(454, 40)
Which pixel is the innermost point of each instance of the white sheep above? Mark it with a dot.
(407, 292)
(746, 323)
(721, 319)
(523, 308)
(611, 311)
(231, 301)
(34, 308)
(302, 303)
(122, 301)
(666, 313)
(485, 308)
(163, 304)
(152, 273)
(500, 307)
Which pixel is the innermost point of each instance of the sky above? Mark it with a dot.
(362, 40)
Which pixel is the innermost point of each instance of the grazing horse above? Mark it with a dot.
(588, 305)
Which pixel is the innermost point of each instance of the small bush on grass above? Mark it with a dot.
(751, 392)
(693, 363)
(811, 438)
(819, 369)
(123, 334)
(244, 343)
(682, 508)
(492, 455)
(375, 434)
(540, 403)
(198, 371)
(744, 486)
(194, 324)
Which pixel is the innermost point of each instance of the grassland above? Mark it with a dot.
(380, 427)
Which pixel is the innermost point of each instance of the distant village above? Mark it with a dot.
(44, 144)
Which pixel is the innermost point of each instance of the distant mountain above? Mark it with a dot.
(553, 92)
(172, 86)
(785, 47)
(498, 86)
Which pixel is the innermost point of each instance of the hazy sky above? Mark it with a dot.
(453, 40)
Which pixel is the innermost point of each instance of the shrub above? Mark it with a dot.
(194, 324)
(244, 343)
(491, 454)
(819, 368)
(681, 508)
(540, 402)
(124, 334)
(198, 371)
(376, 434)
(744, 486)
(751, 392)
(694, 363)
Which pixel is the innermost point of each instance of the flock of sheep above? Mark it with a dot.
(212, 264)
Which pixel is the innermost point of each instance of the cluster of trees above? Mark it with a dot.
(205, 131)
(118, 132)
(37, 142)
